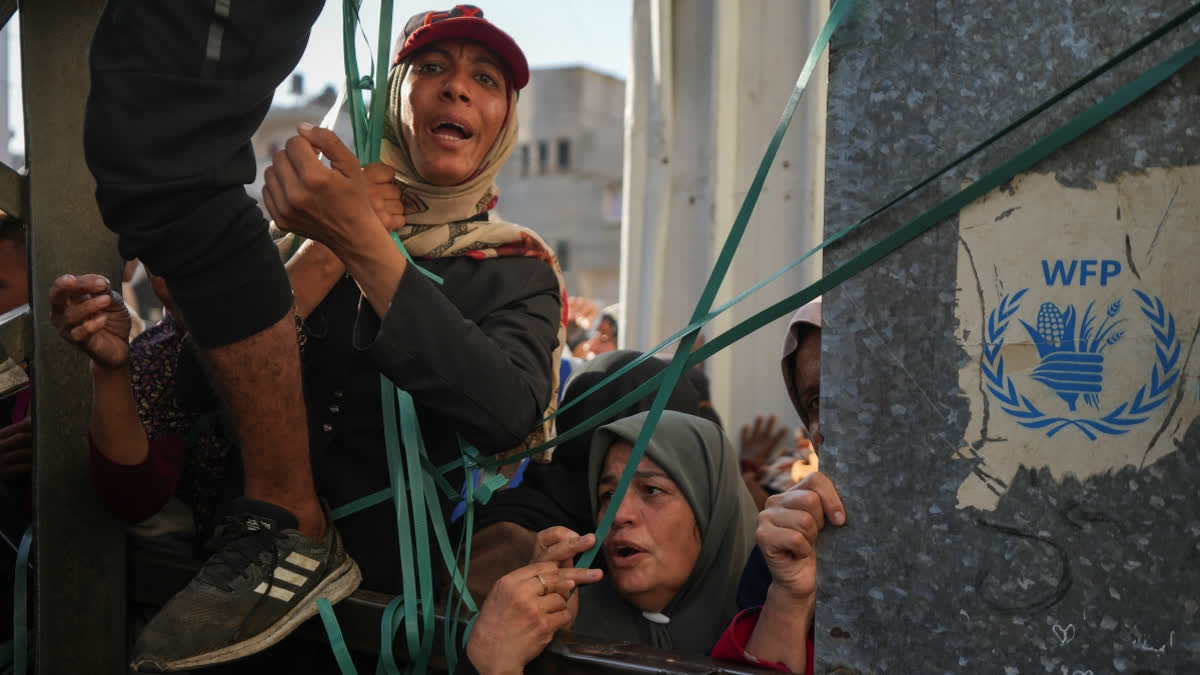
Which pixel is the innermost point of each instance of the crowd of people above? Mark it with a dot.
(227, 430)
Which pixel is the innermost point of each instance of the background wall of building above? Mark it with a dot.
(564, 178)
(709, 81)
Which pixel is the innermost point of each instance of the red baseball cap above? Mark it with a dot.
(463, 22)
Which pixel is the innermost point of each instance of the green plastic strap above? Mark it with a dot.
(720, 268)
(491, 480)
(1037, 110)
(701, 314)
(414, 447)
(20, 641)
(587, 425)
(444, 485)
(403, 524)
(379, 96)
(362, 503)
(464, 595)
(368, 129)
(1005, 172)
(995, 178)
(388, 627)
(336, 641)
(358, 113)
(1002, 174)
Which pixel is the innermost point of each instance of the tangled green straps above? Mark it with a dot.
(673, 372)
(586, 426)
(664, 381)
(368, 128)
(14, 654)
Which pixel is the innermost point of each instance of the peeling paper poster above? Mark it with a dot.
(1078, 310)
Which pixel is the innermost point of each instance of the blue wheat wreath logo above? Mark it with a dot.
(1071, 351)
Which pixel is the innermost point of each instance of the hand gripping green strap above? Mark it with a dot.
(586, 426)
(907, 232)
(368, 129)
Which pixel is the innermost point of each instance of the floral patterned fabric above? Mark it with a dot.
(190, 448)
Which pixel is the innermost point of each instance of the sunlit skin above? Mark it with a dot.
(654, 542)
(14, 283)
(806, 369)
(453, 104)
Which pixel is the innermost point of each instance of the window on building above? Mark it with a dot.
(543, 156)
(564, 154)
(562, 251)
(524, 160)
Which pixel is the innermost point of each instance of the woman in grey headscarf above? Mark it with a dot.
(677, 546)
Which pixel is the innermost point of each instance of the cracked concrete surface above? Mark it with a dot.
(1067, 554)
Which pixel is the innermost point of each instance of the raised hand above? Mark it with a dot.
(521, 614)
(387, 199)
(787, 533)
(560, 545)
(89, 314)
(331, 204)
(759, 440)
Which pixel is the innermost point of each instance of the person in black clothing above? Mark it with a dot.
(552, 494)
(177, 90)
(478, 352)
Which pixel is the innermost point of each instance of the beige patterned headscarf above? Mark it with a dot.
(441, 220)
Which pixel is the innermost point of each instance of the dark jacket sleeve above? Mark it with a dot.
(489, 374)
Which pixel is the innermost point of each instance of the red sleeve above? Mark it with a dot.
(732, 644)
(136, 492)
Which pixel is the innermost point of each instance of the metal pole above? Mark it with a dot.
(80, 618)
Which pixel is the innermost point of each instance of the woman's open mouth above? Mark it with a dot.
(451, 130)
(625, 555)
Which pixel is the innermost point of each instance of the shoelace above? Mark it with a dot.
(239, 548)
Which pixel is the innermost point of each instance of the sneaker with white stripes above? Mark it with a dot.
(260, 585)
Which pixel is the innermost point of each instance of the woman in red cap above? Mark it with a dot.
(478, 351)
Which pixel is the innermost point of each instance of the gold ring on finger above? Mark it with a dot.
(545, 586)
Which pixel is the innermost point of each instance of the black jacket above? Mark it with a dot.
(475, 354)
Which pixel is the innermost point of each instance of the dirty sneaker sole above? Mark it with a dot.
(337, 586)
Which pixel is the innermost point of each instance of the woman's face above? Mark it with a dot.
(654, 542)
(453, 103)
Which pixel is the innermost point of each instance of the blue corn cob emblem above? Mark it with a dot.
(1072, 359)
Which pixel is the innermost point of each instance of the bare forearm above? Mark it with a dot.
(313, 271)
(377, 266)
(116, 428)
(781, 634)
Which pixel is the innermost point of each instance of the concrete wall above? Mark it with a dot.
(710, 79)
(1002, 517)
